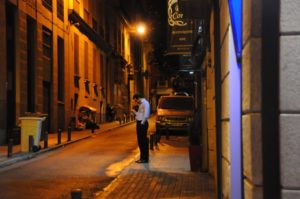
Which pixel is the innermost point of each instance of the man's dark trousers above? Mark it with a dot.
(143, 140)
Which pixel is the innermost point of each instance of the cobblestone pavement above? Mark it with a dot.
(167, 175)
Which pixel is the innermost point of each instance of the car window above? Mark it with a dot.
(176, 103)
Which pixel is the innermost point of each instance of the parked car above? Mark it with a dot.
(175, 112)
(181, 93)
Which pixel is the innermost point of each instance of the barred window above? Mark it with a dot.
(76, 5)
(86, 61)
(95, 25)
(102, 70)
(60, 9)
(47, 4)
(95, 66)
(76, 54)
(47, 53)
(86, 16)
(61, 67)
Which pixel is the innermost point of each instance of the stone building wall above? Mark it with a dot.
(251, 100)
(225, 104)
(289, 89)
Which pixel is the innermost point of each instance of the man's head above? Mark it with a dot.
(137, 97)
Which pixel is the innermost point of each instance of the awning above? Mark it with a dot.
(88, 107)
(84, 28)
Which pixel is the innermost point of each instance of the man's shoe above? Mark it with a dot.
(141, 161)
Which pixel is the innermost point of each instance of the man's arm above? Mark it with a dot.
(146, 113)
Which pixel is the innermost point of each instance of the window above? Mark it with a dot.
(107, 30)
(102, 70)
(47, 4)
(60, 9)
(76, 54)
(47, 53)
(86, 16)
(31, 57)
(95, 25)
(76, 5)
(176, 103)
(95, 66)
(116, 36)
(86, 61)
(123, 44)
(60, 64)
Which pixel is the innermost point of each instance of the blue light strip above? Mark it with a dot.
(235, 52)
(235, 9)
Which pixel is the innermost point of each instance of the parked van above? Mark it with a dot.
(175, 112)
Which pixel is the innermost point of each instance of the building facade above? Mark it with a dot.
(58, 56)
(250, 90)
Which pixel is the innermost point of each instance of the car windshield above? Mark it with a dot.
(178, 103)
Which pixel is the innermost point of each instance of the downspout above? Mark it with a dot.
(218, 96)
(270, 99)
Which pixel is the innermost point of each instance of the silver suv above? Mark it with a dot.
(175, 113)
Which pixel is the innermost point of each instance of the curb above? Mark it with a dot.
(31, 155)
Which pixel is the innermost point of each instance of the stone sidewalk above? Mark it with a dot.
(167, 175)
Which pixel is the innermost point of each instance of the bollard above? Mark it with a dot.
(76, 194)
(151, 141)
(46, 140)
(59, 136)
(155, 139)
(158, 136)
(30, 143)
(10, 147)
(69, 134)
(167, 135)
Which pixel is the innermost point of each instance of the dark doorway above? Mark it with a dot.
(11, 68)
(46, 102)
(31, 49)
(47, 76)
(61, 85)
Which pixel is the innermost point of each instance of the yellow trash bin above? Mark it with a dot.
(30, 126)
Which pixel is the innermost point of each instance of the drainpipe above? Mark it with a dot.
(270, 99)
(216, 11)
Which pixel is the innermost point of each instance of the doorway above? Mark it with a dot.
(31, 57)
(11, 68)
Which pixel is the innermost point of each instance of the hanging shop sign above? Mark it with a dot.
(181, 30)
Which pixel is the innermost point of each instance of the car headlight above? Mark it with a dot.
(161, 118)
(190, 119)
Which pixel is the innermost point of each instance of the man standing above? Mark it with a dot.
(141, 116)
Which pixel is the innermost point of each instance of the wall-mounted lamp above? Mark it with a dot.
(75, 23)
(146, 74)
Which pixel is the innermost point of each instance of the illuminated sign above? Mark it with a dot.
(175, 18)
(235, 7)
(182, 30)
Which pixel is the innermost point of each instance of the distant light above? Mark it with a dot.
(191, 72)
(141, 29)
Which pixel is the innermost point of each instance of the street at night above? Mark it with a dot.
(90, 165)
(217, 80)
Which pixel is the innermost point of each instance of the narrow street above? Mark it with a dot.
(90, 165)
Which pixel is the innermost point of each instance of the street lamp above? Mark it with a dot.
(141, 29)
